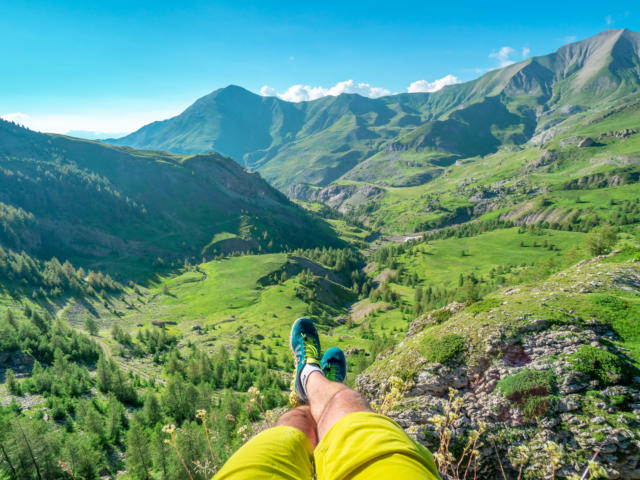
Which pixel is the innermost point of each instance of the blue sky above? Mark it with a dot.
(114, 66)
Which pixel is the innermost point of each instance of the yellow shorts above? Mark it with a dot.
(361, 446)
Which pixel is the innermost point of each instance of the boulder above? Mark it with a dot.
(587, 142)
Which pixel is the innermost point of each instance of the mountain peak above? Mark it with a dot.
(230, 91)
(288, 142)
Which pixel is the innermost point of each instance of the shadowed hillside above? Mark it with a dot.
(116, 208)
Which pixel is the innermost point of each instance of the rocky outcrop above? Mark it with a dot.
(340, 197)
(578, 412)
(624, 133)
(586, 142)
(19, 362)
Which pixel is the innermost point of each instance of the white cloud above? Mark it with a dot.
(503, 56)
(303, 93)
(267, 91)
(108, 122)
(525, 52)
(16, 117)
(424, 86)
(570, 39)
(608, 19)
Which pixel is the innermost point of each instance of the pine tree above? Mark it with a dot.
(151, 410)
(12, 383)
(138, 453)
(103, 375)
(91, 326)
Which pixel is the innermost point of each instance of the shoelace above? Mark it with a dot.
(309, 352)
(331, 372)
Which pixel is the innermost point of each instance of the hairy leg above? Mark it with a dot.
(301, 419)
(330, 401)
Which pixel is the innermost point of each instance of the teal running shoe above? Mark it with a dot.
(305, 347)
(334, 365)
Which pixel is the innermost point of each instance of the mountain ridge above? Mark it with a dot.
(288, 141)
(99, 205)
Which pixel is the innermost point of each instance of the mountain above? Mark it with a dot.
(120, 210)
(356, 138)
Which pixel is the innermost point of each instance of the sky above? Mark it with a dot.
(109, 67)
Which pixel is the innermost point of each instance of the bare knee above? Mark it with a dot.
(350, 400)
(296, 414)
(300, 418)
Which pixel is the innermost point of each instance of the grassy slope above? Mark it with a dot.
(441, 262)
(226, 298)
(558, 300)
(406, 209)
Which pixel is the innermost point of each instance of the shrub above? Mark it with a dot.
(13, 385)
(610, 302)
(58, 408)
(484, 305)
(529, 390)
(601, 240)
(600, 365)
(440, 316)
(443, 349)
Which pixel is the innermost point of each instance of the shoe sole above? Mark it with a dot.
(293, 353)
(295, 365)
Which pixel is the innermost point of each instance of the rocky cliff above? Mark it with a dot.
(549, 362)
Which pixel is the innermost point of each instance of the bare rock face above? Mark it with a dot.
(438, 379)
(19, 362)
(340, 197)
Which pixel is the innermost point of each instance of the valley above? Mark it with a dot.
(483, 238)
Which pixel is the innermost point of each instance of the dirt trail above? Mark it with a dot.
(125, 366)
(122, 363)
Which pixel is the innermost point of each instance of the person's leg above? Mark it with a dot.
(301, 419)
(331, 401)
(354, 443)
(283, 452)
(357, 444)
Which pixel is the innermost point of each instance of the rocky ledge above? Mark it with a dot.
(539, 364)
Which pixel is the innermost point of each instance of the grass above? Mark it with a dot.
(443, 349)
(601, 366)
(231, 299)
(529, 390)
(440, 262)
(484, 305)
(349, 233)
(218, 288)
(618, 308)
(559, 299)
(226, 299)
(622, 314)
